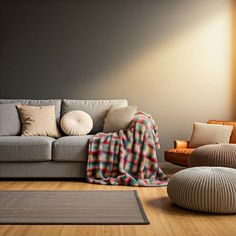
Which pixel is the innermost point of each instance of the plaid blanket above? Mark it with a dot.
(127, 157)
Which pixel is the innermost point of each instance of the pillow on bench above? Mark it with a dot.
(204, 134)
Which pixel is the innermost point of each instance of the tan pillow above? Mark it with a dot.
(204, 134)
(38, 121)
(76, 123)
(118, 118)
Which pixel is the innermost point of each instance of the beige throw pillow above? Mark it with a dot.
(204, 134)
(118, 118)
(38, 121)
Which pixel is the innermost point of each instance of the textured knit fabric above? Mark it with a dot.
(204, 134)
(214, 155)
(127, 158)
(17, 148)
(204, 189)
(71, 148)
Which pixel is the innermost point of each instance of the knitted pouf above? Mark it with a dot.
(204, 189)
(214, 155)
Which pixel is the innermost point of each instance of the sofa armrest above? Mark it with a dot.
(181, 144)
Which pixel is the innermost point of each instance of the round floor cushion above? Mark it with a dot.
(204, 189)
(76, 123)
(214, 155)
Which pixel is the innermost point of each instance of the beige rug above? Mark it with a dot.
(71, 207)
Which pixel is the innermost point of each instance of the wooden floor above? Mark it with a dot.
(165, 218)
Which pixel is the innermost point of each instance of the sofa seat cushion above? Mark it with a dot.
(17, 148)
(71, 148)
(178, 156)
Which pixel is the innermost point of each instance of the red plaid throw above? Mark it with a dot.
(127, 157)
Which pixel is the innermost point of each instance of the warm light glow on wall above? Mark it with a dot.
(186, 78)
(234, 58)
(171, 58)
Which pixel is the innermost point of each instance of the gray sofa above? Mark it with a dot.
(46, 157)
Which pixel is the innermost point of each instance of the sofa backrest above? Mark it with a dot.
(222, 122)
(97, 109)
(31, 102)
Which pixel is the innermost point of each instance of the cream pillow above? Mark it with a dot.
(204, 134)
(118, 118)
(38, 121)
(76, 123)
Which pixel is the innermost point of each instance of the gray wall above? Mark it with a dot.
(171, 58)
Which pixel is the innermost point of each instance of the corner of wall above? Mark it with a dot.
(234, 58)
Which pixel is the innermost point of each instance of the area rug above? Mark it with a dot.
(71, 207)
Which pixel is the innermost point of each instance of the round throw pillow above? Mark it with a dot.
(76, 123)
